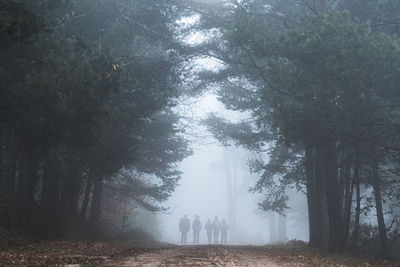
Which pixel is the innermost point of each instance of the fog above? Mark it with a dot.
(203, 190)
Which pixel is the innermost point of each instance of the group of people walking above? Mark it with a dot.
(213, 229)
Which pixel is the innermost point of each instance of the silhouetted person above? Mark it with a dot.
(224, 232)
(184, 227)
(196, 226)
(216, 227)
(209, 228)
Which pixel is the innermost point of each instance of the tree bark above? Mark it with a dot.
(95, 209)
(348, 196)
(334, 201)
(385, 248)
(317, 211)
(85, 202)
(8, 178)
(49, 220)
(357, 214)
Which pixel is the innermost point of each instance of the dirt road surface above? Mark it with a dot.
(90, 254)
(202, 256)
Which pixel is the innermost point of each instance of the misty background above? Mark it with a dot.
(203, 190)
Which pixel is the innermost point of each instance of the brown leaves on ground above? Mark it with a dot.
(100, 254)
(61, 253)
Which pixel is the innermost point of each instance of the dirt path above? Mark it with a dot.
(66, 253)
(200, 256)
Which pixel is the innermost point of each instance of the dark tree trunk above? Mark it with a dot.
(49, 221)
(317, 212)
(348, 196)
(95, 209)
(334, 201)
(85, 202)
(8, 166)
(385, 248)
(357, 214)
(69, 194)
(124, 217)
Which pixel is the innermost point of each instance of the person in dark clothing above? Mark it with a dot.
(184, 227)
(216, 228)
(224, 232)
(209, 228)
(196, 226)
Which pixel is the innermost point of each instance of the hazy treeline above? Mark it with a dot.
(86, 105)
(320, 80)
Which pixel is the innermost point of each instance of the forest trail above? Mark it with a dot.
(74, 254)
(203, 256)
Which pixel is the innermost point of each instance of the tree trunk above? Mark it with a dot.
(348, 196)
(124, 217)
(95, 209)
(85, 202)
(317, 212)
(357, 214)
(334, 202)
(49, 220)
(234, 199)
(8, 178)
(385, 248)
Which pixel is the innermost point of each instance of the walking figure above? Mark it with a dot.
(196, 226)
(209, 228)
(216, 228)
(184, 227)
(224, 232)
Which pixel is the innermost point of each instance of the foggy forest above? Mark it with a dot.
(199, 133)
